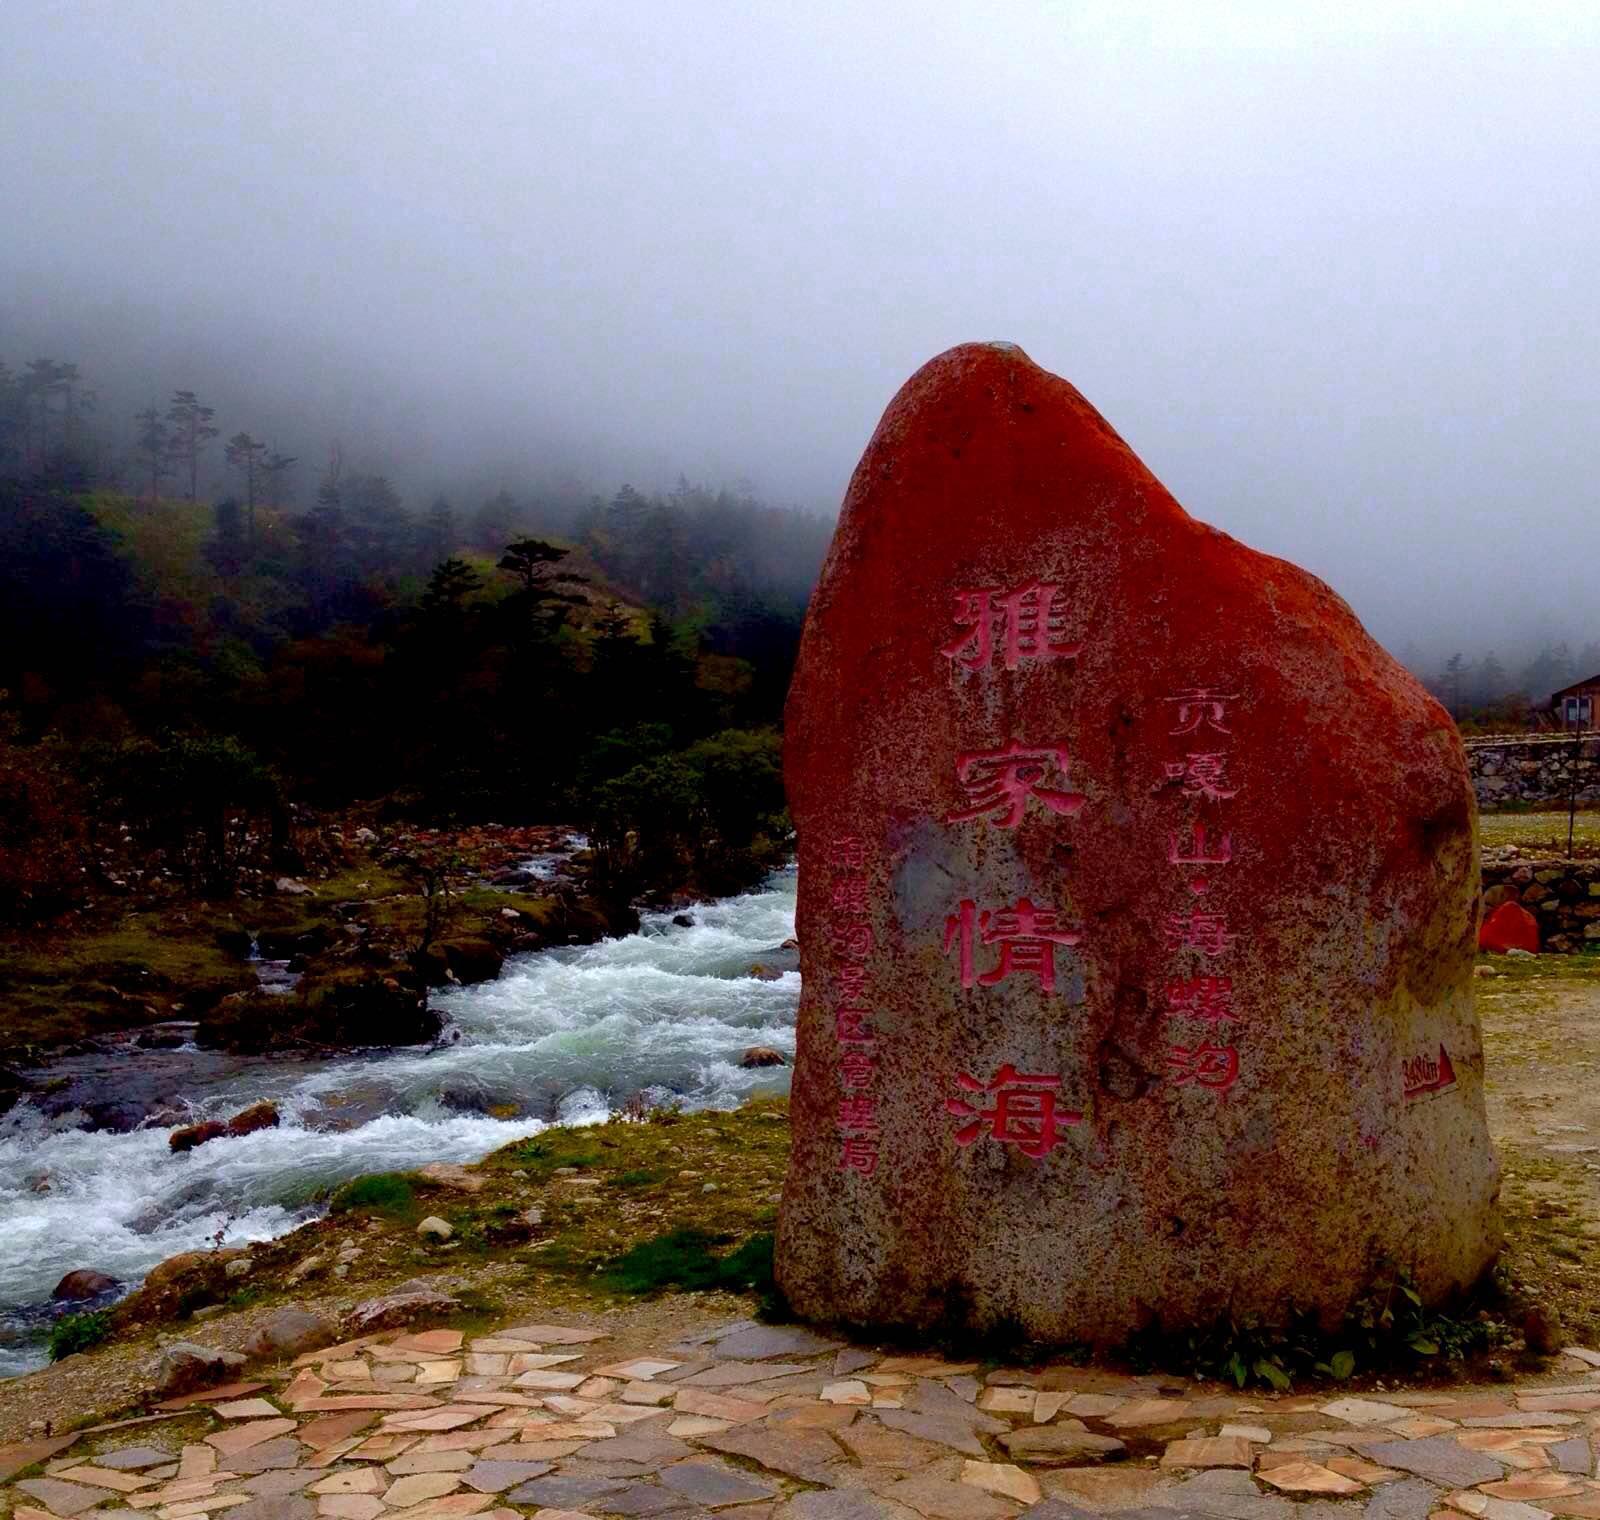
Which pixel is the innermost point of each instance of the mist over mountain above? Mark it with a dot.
(1332, 275)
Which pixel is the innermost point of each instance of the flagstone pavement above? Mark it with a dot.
(758, 1422)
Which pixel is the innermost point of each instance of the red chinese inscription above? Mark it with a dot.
(1209, 998)
(1025, 935)
(858, 1153)
(1019, 625)
(1423, 1074)
(999, 783)
(852, 937)
(1209, 1065)
(1198, 850)
(1201, 706)
(1203, 775)
(1024, 1113)
(1205, 932)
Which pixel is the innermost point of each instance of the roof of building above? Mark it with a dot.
(1575, 688)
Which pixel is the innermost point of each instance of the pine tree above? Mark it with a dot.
(191, 432)
(154, 444)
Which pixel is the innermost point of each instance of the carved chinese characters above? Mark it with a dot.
(1136, 904)
(1198, 850)
(852, 1016)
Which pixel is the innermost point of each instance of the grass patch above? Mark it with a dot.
(1545, 829)
(78, 1332)
(688, 1259)
(555, 1148)
(640, 1177)
(382, 1193)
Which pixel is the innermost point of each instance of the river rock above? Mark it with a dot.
(402, 1307)
(761, 1055)
(185, 1367)
(450, 1174)
(292, 1332)
(257, 1116)
(1137, 900)
(83, 1283)
(188, 1136)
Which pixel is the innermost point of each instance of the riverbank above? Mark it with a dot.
(365, 907)
(570, 1034)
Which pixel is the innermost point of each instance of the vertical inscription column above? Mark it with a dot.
(1002, 786)
(1198, 852)
(850, 939)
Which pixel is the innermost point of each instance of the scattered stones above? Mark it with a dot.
(461, 1440)
(714, 1484)
(1436, 1458)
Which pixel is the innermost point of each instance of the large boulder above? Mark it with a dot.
(1137, 895)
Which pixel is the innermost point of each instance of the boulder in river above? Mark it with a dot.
(258, 1116)
(762, 1055)
(464, 959)
(191, 1135)
(82, 1284)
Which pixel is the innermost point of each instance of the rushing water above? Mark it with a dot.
(561, 1035)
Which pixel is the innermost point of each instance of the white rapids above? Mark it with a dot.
(561, 1035)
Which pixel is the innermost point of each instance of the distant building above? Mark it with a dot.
(1577, 706)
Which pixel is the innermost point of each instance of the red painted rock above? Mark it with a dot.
(1137, 898)
(1509, 927)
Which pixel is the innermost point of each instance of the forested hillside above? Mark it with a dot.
(189, 672)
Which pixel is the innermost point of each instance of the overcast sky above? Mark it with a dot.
(1331, 269)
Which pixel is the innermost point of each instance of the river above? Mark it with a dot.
(561, 1035)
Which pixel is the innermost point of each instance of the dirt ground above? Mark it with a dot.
(1541, 1026)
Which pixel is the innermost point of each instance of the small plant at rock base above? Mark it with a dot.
(78, 1332)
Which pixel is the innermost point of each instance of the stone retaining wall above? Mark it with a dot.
(1564, 895)
(1534, 768)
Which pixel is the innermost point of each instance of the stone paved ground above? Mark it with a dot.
(777, 1423)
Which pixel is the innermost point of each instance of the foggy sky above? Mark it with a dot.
(1330, 269)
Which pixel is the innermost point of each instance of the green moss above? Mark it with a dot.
(60, 988)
